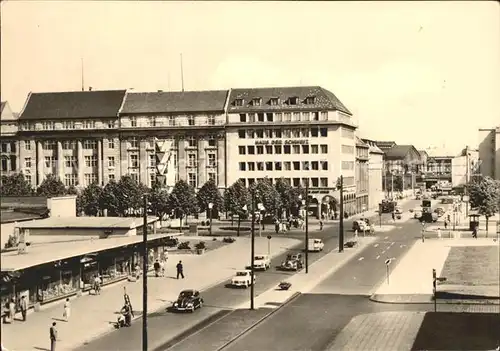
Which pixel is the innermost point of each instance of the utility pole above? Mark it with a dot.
(392, 185)
(145, 276)
(466, 179)
(252, 254)
(341, 223)
(434, 288)
(307, 226)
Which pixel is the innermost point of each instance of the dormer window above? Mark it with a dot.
(238, 102)
(310, 100)
(293, 100)
(256, 102)
(274, 101)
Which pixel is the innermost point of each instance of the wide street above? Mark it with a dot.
(358, 277)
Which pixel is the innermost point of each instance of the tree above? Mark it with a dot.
(73, 190)
(110, 199)
(484, 194)
(129, 194)
(182, 200)
(267, 194)
(15, 185)
(236, 199)
(159, 201)
(288, 196)
(51, 186)
(91, 199)
(209, 193)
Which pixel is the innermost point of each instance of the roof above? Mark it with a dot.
(361, 143)
(398, 152)
(73, 104)
(85, 222)
(16, 216)
(324, 99)
(175, 102)
(2, 105)
(385, 144)
(44, 253)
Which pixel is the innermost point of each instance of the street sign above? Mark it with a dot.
(465, 198)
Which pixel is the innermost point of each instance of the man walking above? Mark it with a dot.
(53, 337)
(23, 305)
(180, 270)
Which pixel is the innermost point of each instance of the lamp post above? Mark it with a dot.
(210, 207)
(252, 255)
(261, 208)
(269, 237)
(306, 245)
(340, 187)
(145, 276)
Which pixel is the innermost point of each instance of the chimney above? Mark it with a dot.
(90, 88)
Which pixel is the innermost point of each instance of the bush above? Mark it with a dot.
(200, 246)
(172, 242)
(214, 239)
(184, 246)
(351, 243)
(228, 240)
(12, 241)
(242, 228)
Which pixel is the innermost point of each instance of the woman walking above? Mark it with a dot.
(67, 310)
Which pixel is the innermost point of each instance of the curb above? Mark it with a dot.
(439, 302)
(273, 311)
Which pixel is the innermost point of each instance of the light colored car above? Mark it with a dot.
(261, 262)
(291, 265)
(359, 225)
(417, 213)
(243, 278)
(315, 245)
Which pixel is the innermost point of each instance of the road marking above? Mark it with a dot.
(392, 243)
(377, 257)
(388, 247)
(383, 252)
(401, 246)
(376, 245)
(386, 238)
(361, 259)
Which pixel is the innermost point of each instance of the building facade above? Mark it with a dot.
(362, 175)
(375, 174)
(66, 134)
(301, 134)
(178, 135)
(489, 152)
(464, 167)
(9, 158)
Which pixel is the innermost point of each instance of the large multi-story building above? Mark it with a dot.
(464, 167)
(301, 134)
(489, 152)
(9, 150)
(375, 174)
(66, 134)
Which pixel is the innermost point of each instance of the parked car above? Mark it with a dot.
(243, 278)
(291, 265)
(417, 213)
(359, 225)
(261, 262)
(315, 245)
(188, 300)
(296, 256)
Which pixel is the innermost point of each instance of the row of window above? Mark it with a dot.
(282, 149)
(282, 133)
(283, 117)
(314, 182)
(275, 101)
(171, 121)
(69, 125)
(284, 166)
(9, 147)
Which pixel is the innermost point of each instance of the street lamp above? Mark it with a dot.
(306, 204)
(340, 187)
(210, 207)
(252, 254)
(145, 276)
(261, 208)
(269, 237)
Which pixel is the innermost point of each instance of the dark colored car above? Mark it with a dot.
(188, 300)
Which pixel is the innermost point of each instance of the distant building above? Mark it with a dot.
(489, 152)
(464, 166)
(362, 175)
(375, 174)
(9, 160)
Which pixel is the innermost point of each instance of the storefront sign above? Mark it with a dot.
(280, 142)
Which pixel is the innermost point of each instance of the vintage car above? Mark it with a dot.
(296, 256)
(243, 278)
(417, 213)
(439, 211)
(188, 300)
(291, 265)
(262, 262)
(359, 225)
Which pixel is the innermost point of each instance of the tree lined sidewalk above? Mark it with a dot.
(94, 315)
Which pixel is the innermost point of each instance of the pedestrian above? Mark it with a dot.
(320, 224)
(53, 336)
(180, 270)
(12, 310)
(372, 229)
(137, 271)
(474, 233)
(126, 300)
(157, 268)
(393, 217)
(162, 268)
(23, 305)
(439, 233)
(445, 224)
(277, 226)
(67, 310)
(356, 234)
(97, 285)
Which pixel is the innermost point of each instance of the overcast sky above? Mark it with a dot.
(422, 73)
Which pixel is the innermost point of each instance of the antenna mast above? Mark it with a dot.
(83, 86)
(182, 75)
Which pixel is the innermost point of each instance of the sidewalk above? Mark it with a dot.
(411, 280)
(92, 316)
(303, 282)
